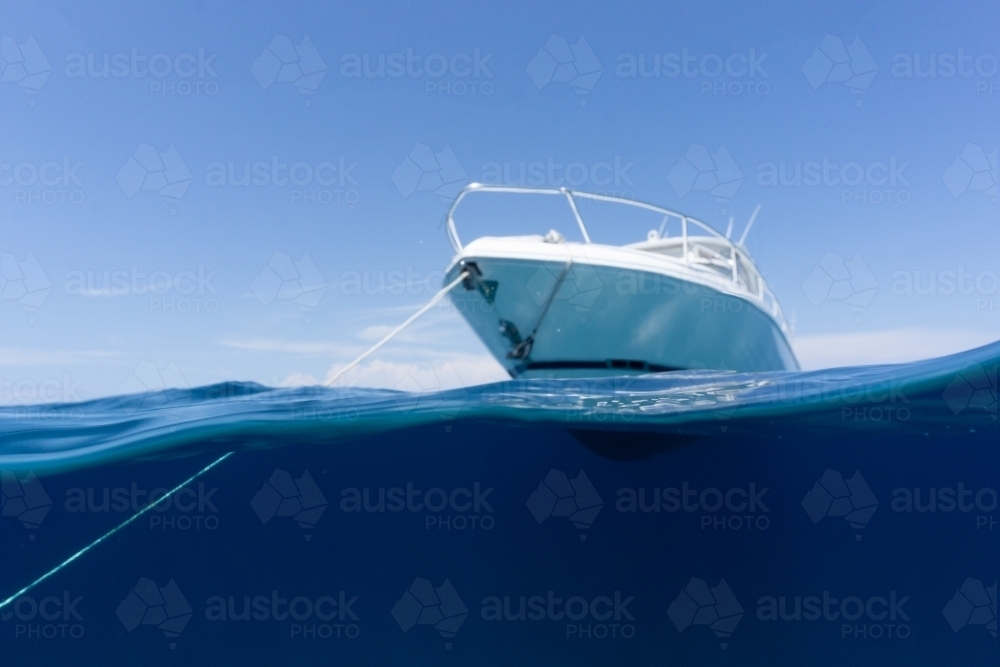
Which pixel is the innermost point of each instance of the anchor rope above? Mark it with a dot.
(51, 573)
(392, 334)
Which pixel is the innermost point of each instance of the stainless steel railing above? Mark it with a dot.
(694, 253)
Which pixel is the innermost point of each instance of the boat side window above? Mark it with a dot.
(716, 258)
(674, 250)
(748, 275)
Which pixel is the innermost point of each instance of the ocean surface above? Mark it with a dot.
(837, 517)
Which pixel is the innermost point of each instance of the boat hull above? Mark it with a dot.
(605, 320)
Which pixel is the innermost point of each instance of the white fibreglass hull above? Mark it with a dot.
(615, 311)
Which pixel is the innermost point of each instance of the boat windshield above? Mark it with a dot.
(683, 238)
(710, 254)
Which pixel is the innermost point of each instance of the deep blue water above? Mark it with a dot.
(842, 517)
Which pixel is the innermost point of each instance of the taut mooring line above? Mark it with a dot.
(114, 530)
(430, 304)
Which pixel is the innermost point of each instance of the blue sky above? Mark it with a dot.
(884, 248)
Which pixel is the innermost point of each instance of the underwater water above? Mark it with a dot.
(840, 517)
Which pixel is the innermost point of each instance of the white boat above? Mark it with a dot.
(548, 307)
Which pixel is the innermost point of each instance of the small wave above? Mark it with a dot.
(924, 397)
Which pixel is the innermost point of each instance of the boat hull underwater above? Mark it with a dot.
(601, 310)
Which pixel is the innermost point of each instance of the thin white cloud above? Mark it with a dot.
(376, 332)
(891, 346)
(437, 327)
(439, 351)
(299, 380)
(428, 334)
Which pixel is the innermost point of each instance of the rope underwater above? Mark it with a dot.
(465, 273)
(113, 531)
(430, 304)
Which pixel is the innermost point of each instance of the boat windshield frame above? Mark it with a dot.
(739, 259)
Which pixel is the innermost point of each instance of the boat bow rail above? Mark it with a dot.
(697, 246)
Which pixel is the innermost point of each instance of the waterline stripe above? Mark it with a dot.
(114, 530)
